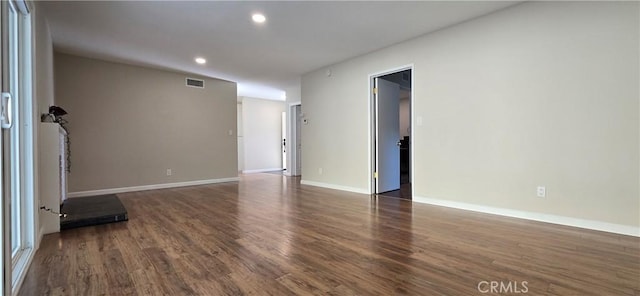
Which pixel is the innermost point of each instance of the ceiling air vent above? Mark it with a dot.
(195, 82)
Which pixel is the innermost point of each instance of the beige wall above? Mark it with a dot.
(542, 93)
(43, 95)
(240, 136)
(405, 117)
(129, 124)
(43, 63)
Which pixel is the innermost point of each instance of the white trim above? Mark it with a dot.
(22, 6)
(548, 218)
(37, 231)
(412, 138)
(27, 123)
(333, 186)
(26, 263)
(261, 170)
(150, 187)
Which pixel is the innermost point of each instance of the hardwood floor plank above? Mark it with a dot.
(269, 235)
(146, 282)
(169, 276)
(301, 285)
(117, 275)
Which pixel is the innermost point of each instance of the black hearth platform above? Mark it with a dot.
(92, 210)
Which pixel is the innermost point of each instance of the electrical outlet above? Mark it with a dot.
(320, 171)
(169, 172)
(541, 191)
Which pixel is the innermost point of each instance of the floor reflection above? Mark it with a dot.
(391, 230)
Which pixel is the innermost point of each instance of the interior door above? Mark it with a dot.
(284, 140)
(387, 135)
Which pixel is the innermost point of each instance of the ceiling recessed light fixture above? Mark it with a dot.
(258, 18)
(201, 61)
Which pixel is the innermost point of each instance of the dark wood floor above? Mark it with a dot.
(404, 192)
(268, 235)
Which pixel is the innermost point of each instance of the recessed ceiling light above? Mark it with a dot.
(258, 18)
(201, 61)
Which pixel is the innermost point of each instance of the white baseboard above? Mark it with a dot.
(150, 187)
(261, 170)
(333, 186)
(554, 219)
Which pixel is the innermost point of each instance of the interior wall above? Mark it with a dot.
(44, 88)
(293, 97)
(43, 95)
(296, 122)
(541, 93)
(129, 124)
(405, 117)
(262, 134)
(240, 134)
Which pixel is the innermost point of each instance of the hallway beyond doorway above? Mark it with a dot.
(404, 192)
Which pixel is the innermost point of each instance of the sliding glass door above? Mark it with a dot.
(4, 109)
(17, 143)
(12, 140)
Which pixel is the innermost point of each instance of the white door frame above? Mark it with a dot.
(292, 156)
(372, 126)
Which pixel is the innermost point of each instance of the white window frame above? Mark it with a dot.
(22, 145)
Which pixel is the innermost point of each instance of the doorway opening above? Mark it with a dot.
(295, 146)
(391, 133)
(284, 141)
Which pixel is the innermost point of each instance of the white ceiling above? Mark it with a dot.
(264, 60)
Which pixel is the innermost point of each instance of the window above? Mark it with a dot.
(17, 143)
